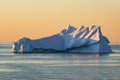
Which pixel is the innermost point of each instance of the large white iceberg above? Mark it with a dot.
(71, 39)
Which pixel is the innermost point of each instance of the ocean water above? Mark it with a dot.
(62, 66)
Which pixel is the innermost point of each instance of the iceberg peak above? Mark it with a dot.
(68, 30)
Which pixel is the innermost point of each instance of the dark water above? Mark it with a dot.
(62, 66)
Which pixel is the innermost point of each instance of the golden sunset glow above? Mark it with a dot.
(40, 18)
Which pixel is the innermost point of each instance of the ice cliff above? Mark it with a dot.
(71, 39)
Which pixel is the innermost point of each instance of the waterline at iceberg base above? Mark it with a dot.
(71, 39)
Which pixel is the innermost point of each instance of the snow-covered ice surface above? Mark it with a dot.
(71, 39)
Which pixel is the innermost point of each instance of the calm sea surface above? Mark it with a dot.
(62, 66)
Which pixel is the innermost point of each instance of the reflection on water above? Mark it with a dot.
(61, 66)
(8, 70)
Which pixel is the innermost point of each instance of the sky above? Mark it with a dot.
(40, 18)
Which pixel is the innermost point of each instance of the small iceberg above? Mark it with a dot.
(71, 39)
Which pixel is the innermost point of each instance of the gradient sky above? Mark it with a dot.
(40, 18)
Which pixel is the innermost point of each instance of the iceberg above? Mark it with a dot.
(72, 39)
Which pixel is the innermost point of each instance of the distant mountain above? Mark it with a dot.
(71, 39)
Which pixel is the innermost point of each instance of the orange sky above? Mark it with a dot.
(40, 18)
